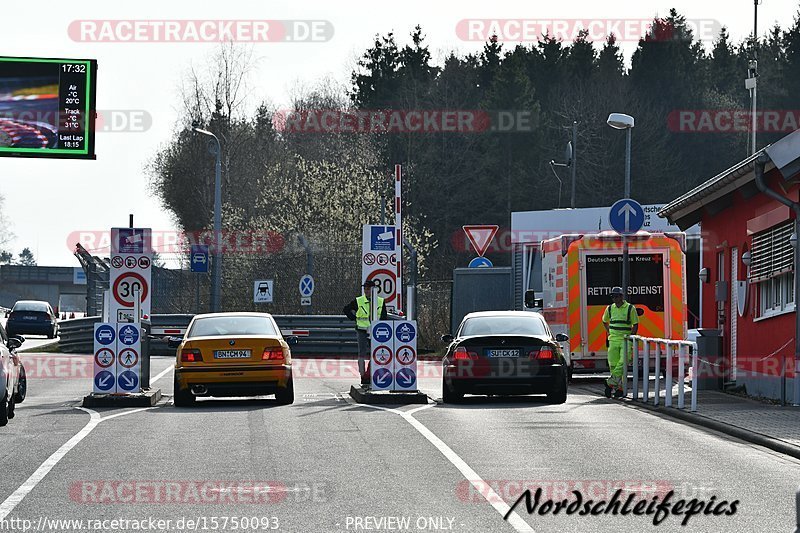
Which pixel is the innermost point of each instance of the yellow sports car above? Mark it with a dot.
(233, 354)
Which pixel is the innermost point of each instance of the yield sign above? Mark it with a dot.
(480, 237)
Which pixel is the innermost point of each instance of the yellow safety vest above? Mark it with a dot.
(363, 312)
(620, 320)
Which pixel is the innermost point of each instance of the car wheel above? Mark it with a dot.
(449, 395)
(182, 397)
(559, 392)
(22, 386)
(285, 395)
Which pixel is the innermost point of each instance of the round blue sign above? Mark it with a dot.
(626, 216)
(406, 332)
(128, 381)
(104, 334)
(480, 262)
(382, 332)
(406, 378)
(382, 378)
(104, 380)
(128, 335)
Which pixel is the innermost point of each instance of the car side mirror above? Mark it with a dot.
(174, 342)
(15, 342)
(531, 301)
(639, 311)
(447, 338)
(291, 340)
(562, 337)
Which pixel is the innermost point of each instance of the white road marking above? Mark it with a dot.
(482, 487)
(23, 490)
(162, 374)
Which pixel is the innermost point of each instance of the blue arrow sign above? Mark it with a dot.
(382, 332)
(128, 381)
(199, 258)
(104, 334)
(480, 262)
(626, 216)
(382, 378)
(406, 378)
(128, 335)
(306, 285)
(406, 332)
(104, 380)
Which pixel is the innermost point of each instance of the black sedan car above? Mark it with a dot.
(32, 317)
(505, 352)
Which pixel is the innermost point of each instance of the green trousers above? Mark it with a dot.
(616, 362)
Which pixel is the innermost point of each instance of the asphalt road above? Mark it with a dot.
(326, 464)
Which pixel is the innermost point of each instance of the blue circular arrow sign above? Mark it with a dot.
(480, 262)
(382, 378)
(406, 378)
(626, 216)
(104, 380)
(128, 381)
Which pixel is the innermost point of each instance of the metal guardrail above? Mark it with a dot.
(316, 334)
(671, 349)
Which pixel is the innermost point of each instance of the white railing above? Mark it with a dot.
(672, 348)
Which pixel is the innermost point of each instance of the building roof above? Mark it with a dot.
(714, 194)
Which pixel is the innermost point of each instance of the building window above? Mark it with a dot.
(772, 269)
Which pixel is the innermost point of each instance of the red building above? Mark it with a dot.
(748, 265)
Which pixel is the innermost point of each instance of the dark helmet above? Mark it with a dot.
(617, 291)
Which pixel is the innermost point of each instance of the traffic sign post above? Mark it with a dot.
(393, 364)
(306, 288)
(263, 291)
(626, 217)
(199, 258)
(131, 267)
(378, 256)
(105, 355)
(129, 346)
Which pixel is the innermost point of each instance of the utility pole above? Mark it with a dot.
(574, 161)
(751, 83)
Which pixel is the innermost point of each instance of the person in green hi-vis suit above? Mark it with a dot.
(620, 319)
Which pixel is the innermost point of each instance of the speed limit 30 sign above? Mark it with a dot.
(131, 266)
(377, 252)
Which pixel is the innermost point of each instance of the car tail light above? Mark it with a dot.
(272, 354)
(462, 354)
(191, 355)
(545, 353)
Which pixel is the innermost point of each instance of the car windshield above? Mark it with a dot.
(30, 306)
(503, 325)
(226, 326)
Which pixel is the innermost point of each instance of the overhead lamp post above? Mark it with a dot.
(217, 272)
(621, 121)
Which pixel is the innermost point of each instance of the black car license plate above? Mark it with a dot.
(503, 352)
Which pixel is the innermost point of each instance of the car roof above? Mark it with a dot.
(234, 314)
(480, 314)
(30, 302)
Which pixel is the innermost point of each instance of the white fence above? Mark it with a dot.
(670, 349)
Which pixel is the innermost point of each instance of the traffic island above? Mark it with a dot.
(370, 397)
(141, 399)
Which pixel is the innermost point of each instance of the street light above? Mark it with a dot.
(217, 274)
(621, 121)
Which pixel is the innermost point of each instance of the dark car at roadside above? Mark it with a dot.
(32, 317)
(505, 353)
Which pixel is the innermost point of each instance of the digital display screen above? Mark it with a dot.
(47, 107)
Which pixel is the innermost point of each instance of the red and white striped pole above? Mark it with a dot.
(398, 241)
